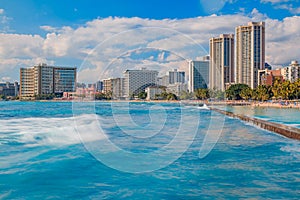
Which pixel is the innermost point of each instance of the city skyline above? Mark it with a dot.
(68, 38)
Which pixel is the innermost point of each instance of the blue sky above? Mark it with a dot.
(64, 32)
(26, 16)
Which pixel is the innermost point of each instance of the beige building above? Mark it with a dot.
(115, 86)
(250, 53)
(27, 83)
(221, 68)
(44, 79)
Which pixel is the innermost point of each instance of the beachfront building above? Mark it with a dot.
(153, 92)
(43, 79)
(27, 83)
(114, 87)
(9, 89)
(177, 88)
(221, 68)
(64, 79)
(136, 81)
(291, 72)
(268, 77)
(176, 77)
(163, 81)
(198, 75)
(250, 53)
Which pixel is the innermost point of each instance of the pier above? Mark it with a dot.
(287, 131)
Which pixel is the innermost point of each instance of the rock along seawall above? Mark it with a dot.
(287, 131)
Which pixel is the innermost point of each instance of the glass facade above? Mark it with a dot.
(64, 80)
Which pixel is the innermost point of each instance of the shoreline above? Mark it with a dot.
(275, 104)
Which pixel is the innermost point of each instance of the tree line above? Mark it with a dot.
(284, 90)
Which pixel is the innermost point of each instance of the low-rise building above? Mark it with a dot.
(153, 92)
(9, 89)
(268, 77)
(177, 88)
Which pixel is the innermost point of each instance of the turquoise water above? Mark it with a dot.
(287, 116)
(42, 155)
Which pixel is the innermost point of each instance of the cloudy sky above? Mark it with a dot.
(104, 37)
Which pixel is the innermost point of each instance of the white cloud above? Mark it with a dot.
(4, 22)
(101, 42)
(48, 28)
(289, 5)
(274, 1)
(5, 79)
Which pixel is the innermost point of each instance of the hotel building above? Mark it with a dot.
(136, 81)
(115, 86)
(176, 76)
(44, 79)
(198, 75)
(291, 72)
(221, 68)
(250, 53)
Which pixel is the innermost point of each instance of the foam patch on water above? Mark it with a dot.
(33, 132)
(294, 149)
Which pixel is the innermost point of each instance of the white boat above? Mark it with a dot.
(203, 106)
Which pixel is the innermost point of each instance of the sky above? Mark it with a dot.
(102, 38)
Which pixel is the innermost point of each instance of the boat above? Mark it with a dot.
(203, 106)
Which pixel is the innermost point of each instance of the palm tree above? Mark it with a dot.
(246, 93)
(276, 89)
(201, 94)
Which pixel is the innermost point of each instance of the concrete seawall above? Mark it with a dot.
(287, 131)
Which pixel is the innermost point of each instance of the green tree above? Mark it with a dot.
(246, 93)
(263, 92)
(296, 86)
(100, 96)
(276, 88)
(142, 95)
(217, 94)
(186, 95)
(234, 91)
(171, 96)
(201, 94)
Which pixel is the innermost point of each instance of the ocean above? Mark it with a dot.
(286, 116)
(103, 150)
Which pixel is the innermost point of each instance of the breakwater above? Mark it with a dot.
(287, 131)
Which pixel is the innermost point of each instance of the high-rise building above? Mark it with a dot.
(115, 86)
(176, 76)
(64, 79)
(291, 72)
(250, 53)
(27, 83)
(99, 86)
(198, 75)
(221, 61)
(136, 81)
(44, 79)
